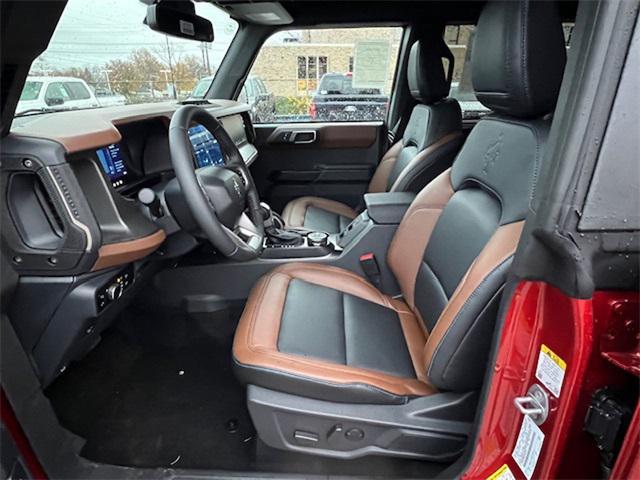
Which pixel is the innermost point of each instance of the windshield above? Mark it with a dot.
(30, 91)
(101, 54)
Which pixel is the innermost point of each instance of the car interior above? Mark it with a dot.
(306, 298)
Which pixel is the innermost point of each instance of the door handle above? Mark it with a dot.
(303, 136)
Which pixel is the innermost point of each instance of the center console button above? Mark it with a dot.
(318, 239)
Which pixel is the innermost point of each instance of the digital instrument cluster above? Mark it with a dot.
(205, 147)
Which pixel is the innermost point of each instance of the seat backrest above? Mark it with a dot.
(433, 134)
(454, 246)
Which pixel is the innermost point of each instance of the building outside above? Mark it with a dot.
(291, 64)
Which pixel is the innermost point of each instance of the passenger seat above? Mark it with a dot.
(430, 142)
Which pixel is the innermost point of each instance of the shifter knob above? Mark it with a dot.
(149, 198)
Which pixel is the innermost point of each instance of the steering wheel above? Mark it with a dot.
(223, 200)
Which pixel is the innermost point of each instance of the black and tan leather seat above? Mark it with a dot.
(325, 333)
(430, 142)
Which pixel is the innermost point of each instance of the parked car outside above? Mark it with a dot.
(56, 93)
(107, 98)
(201, 88)
(254, 92)
(469, 104)
(63, 93)
(262, 102)
(338, 100)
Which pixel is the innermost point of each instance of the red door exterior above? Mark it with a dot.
(597, 341)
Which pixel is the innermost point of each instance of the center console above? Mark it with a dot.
(370, 233)
(380, 209)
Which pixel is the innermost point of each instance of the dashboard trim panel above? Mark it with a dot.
(121, 253)
(79, 130)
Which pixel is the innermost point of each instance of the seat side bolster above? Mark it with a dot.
(497, 251)
(380, 179)
(410, 240)
(294, 212)
(255, 343)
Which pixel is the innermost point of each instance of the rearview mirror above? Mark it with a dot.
(179, 19)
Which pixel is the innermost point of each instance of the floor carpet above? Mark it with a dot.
(153, 405)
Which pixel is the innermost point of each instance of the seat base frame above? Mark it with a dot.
(422, 428)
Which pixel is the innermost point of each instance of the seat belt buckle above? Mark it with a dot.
(369, 266)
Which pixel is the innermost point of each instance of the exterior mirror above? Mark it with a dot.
(179, 19)
(54, 101)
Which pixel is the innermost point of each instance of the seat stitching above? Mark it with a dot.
(344, 332)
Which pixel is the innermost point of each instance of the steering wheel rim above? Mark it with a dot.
(240, 238)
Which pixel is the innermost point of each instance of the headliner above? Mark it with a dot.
(313, 12)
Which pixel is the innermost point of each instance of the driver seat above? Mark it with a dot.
(315, 342)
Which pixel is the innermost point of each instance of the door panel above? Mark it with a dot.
(330, 160)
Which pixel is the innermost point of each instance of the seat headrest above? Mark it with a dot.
(518, 57)
(428, 82)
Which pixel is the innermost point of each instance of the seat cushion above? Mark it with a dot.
(326, 333)
(315, 213)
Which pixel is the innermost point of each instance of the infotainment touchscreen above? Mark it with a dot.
(205, 147)
(113, 164)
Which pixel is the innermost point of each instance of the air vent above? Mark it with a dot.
(34, 213)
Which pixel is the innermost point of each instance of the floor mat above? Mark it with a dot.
(153, 406)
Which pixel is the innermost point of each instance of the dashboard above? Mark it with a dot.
(206, 152)
(140, 157)
(72, 218)
(74, 179)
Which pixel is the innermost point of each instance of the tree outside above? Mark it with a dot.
(145, 75)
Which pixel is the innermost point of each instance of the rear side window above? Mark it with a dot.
(56, 90)
(324, 75)
(77, 91)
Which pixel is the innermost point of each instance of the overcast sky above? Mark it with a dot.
(92, 32)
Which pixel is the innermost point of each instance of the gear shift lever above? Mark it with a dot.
(276, 234)
(267, 213)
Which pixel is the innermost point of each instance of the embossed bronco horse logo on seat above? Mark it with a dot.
(492, 154)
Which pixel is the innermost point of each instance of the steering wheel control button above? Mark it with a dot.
(318, 239)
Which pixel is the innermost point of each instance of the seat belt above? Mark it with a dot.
(370, 268)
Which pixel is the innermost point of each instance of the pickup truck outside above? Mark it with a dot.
(337, 100)
(62, 93)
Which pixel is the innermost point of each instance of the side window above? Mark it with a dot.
(56, 92)
(324, 75)
(77, 91)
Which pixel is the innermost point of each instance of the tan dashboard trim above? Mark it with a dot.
(74, 132)
(120, 253)
(79, 130)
